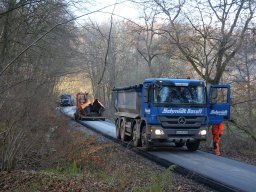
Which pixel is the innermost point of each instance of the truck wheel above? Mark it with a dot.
(124, 137)
(144, 139)
(193, 146)
(179, 144)
(135, 137)
(118, 136)
(76, 117)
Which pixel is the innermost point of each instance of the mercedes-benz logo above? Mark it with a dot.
(182, 120)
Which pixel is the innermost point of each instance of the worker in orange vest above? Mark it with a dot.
(217, 131)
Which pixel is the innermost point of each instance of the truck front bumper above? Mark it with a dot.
(158, 133)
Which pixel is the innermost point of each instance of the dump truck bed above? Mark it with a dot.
(86, 110)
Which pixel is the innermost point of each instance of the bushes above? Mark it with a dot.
(27, 118)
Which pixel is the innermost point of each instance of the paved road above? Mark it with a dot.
(233, 173)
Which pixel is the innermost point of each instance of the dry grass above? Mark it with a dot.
(81, 162)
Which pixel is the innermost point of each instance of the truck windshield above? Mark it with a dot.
(179, 95)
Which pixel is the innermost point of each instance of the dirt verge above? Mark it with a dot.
(82, 162)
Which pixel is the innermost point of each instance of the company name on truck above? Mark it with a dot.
(182, 110)
(215, 112)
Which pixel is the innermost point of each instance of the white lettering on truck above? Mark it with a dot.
(182, 110)
(215, 112)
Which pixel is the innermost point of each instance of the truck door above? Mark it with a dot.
(218, 104)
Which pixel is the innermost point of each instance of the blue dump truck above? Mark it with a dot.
(162, 111)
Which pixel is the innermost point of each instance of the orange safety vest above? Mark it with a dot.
(218, 129)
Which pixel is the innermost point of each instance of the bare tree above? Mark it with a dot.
(208, 34)
(26, 101)
(244, 89)
(150, 42)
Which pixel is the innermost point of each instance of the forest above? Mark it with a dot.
(46, 51)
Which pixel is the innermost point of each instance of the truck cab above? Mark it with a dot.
(170, 111)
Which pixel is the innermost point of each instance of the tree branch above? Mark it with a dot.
(108, 47)
(46, 33)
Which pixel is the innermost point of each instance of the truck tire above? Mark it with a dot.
(193, 146)
(124, 137)
(118, 136)
(76, 116)
(144, 139)
(179, 144)
(135, 137)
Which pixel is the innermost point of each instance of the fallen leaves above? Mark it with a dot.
(87, 163)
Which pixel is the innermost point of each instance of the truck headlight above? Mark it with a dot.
(202, 132)
(159, 132)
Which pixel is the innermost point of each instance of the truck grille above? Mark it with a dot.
(187, 122)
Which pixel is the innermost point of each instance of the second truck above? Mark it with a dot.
(162, 111)
(86, 110)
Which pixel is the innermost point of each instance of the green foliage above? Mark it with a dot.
(161, 181)
(33, 186)
(74, 169)
(106, 178)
